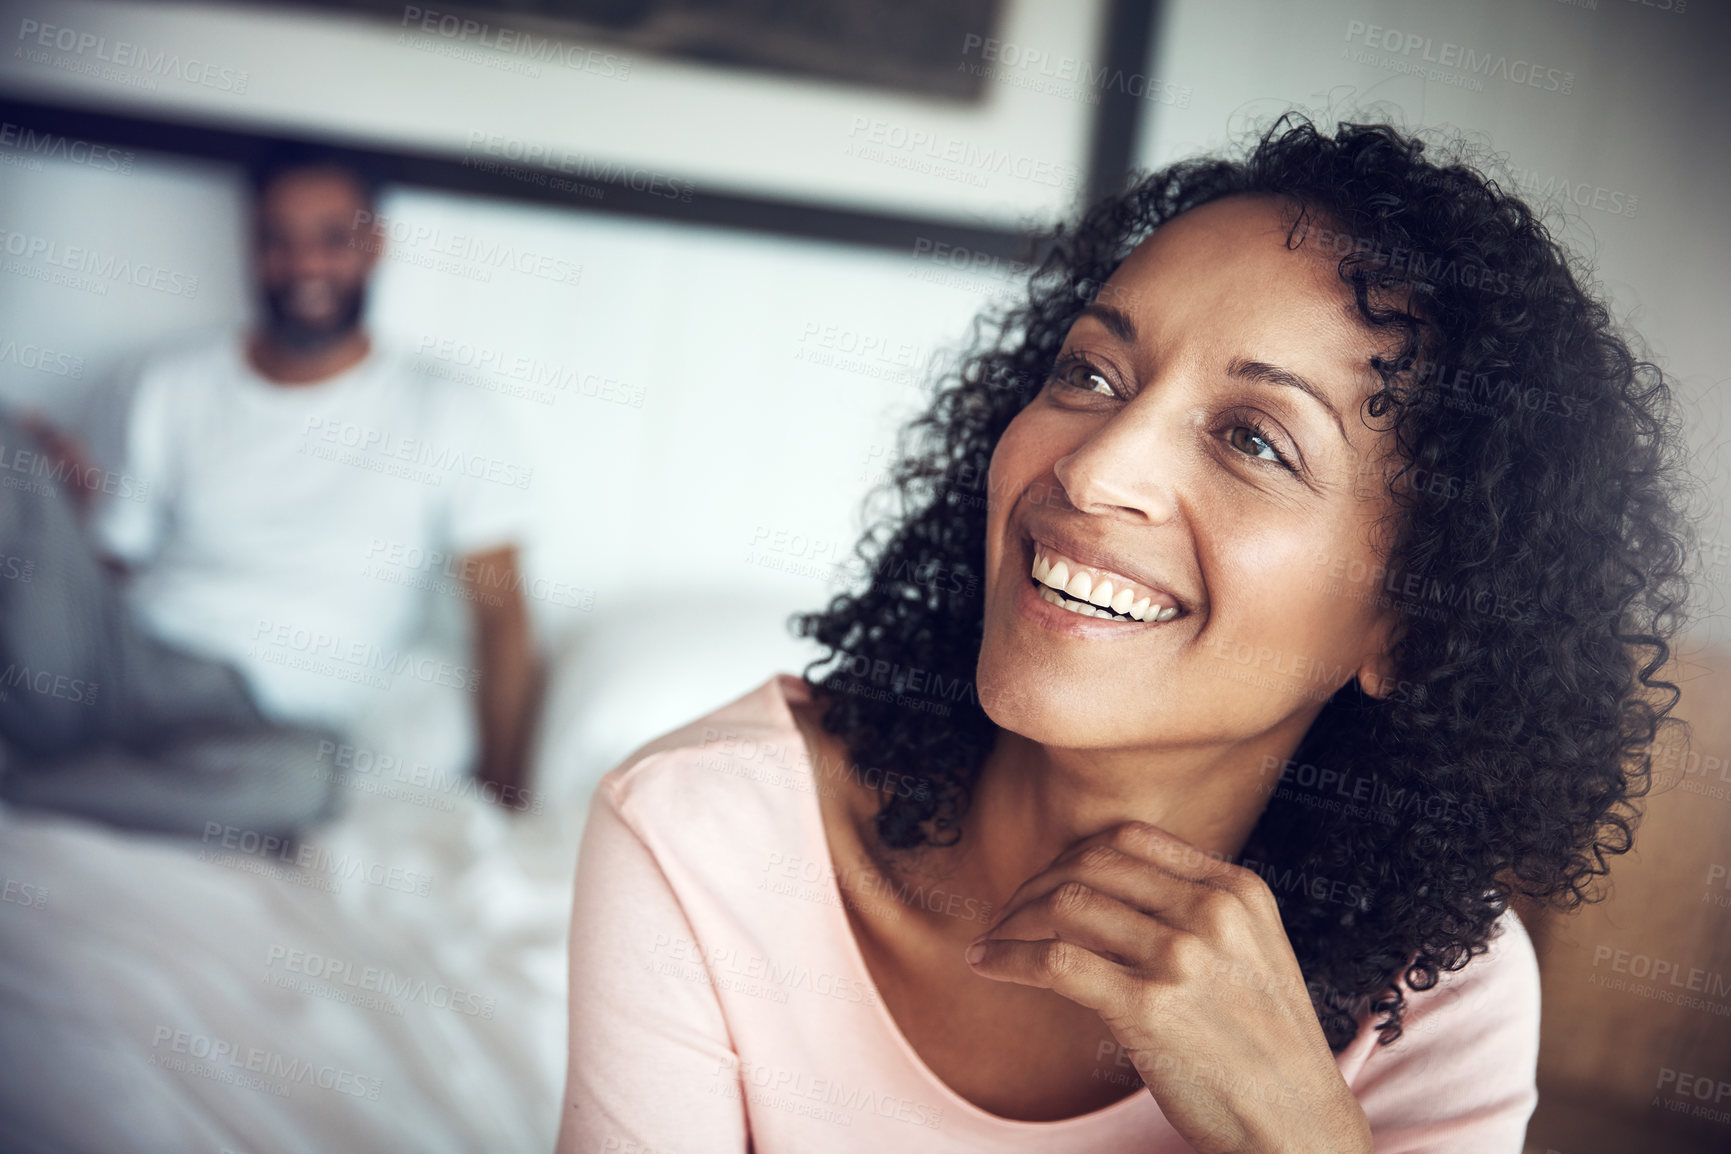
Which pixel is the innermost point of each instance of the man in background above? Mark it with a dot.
(303, 491)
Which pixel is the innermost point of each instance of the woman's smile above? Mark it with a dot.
(1086, 598)
(1097, 593)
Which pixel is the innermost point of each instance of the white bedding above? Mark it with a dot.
(143, 962)
(157, 995)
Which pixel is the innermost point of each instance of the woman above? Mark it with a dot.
(1281, 591)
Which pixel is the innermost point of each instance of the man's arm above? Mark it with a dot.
(510, 674)
(83, 481)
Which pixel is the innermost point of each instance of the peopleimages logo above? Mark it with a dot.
(463, 31)
(373, 446)
(465, 247)
(380, 980)
(54, 146)
(1037, 70)
(785, 1088)
(29, 356)
(1416, 49)
(921, 149)
(95, 51)
(1578, 193)
(221, 1059)
(104, 267)
(338, 867)
(529, 153)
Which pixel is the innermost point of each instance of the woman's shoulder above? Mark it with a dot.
(744, 760)
(1502, 980)
(1468, 1047)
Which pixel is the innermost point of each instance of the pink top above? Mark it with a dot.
(719, 1000)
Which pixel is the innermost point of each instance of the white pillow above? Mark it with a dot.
(637, 670)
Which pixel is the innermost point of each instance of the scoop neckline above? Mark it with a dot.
(837, 912)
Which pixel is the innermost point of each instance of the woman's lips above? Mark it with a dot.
(1089, 591)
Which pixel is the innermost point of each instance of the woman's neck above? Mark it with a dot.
(1031, 802)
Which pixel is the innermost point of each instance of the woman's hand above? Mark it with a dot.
(1185, 959)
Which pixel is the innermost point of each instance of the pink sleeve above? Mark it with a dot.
(1461, 1079)
(652, 1070)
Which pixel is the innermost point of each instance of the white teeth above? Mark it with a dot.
(1053, 596)
(1082, 593)
(1140, 612)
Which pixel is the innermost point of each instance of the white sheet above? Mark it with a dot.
(142, 957)
(138, 974)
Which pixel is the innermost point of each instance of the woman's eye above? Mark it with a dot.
(1250, 440)
(1079, 375)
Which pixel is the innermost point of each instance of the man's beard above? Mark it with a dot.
(294, 332)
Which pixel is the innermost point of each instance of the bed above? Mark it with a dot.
(393, 981)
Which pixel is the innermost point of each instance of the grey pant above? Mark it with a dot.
(99, 719)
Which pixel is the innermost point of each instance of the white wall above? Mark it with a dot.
(742, 437)
(1643, 123)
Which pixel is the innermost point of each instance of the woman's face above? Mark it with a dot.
(1199, 447)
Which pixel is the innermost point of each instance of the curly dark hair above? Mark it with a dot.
(1545, 574)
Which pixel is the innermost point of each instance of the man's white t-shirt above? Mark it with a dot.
(298, 530)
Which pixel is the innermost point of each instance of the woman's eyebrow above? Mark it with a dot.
(1275, 375)
(1117, 320)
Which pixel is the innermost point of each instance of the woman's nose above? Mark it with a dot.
(1128, 467)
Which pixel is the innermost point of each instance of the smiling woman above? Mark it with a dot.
(1313, 607)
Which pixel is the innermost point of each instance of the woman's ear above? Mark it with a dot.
(1377, 675)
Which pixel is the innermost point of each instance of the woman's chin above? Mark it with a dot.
(1045, 709)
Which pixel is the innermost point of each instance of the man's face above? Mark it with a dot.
(313, 254)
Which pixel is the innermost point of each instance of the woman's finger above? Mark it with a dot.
(1107, 869)
(1157, 847)
(1066, 968)
(1076, 912)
